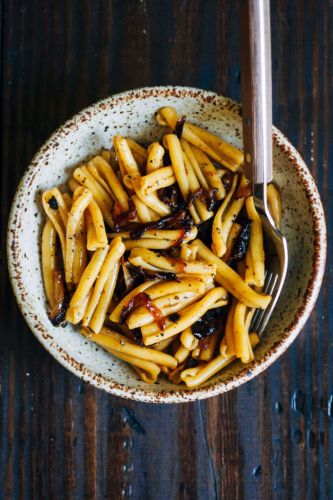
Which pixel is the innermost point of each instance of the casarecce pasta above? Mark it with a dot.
(156, 252)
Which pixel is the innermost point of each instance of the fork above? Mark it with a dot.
(257, 134)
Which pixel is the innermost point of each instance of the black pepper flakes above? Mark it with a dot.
(174, 317)
(53, 203)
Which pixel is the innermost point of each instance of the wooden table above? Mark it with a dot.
(60, 438)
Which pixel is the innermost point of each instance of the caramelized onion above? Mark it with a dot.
(209, 323)
(148, 275)
(242, 242)
(143, 299)
(133, 276)
(243, 191)
(171, 196)
(58, 312)
(179, 126)
(206, 196)
(121, 219)
(163, 223)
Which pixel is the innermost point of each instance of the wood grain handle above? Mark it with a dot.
(256, 89)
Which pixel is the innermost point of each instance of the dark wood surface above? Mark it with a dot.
(60, 438)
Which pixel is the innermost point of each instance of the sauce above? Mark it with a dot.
(121, 219)
(143, 299)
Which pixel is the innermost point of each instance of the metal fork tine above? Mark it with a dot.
(257, 321)
(263, 312)
(267, 290)
(268, 277)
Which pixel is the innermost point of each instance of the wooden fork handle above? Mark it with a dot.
(256, 89)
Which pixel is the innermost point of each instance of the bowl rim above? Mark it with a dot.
(181, 395)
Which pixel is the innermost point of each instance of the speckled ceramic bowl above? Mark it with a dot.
(132, 113)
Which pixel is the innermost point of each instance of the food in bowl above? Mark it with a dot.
(157, 252)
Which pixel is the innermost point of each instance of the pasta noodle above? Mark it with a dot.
(182, 354)
(68, 200)
(145, 214)
(207, 353)
(55, 208)
(241, 338)
(112, 181)
(82, 199)
(194, 164)
(209, 172)
(120, 343)
(92, 169)
(49, 260)
(123, 304)
(116, 250)
(161, 178)
(73, 184)
(215, 147)
(126, 160)
(256, 244)
(83, 177)
(167, 304)
(155, 157)
(228, 278)
(188, 340)
(154, 203)
(211, 144)
(98, 223)
(80, 253)
(139, 152)
(75, 314)
(100, 312)
(147, 376)
(229, 333)
(157, 262)
(163, 255)
(274, 204)
(173, 145)
(188, 252)
(92, 241)
(197, 376)
(159, 243)
(194, 186)
(88, 277)
(231, 240)
(167, 116)
(189, 284)
(219, 245)
(187, 317)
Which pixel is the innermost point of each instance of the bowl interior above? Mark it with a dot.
(132, 114)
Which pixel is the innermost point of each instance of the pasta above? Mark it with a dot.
(155, 157)
(82, 197)
(219, 245)
(215, 147)
(209, 171)
(80, 251)
(256, 244)
(162, 260)
(111, 181)
(49, 260)
(274, 204)
(56, 210)
(139, 152)
(116, 251)
(83, 177)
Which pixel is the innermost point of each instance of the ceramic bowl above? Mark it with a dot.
(132, 113)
